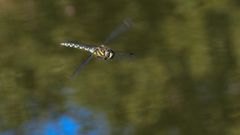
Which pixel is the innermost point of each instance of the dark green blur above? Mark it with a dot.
(183, 80)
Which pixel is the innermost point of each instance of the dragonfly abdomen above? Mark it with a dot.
(79, 46)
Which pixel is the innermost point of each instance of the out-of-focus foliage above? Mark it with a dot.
(184, 78)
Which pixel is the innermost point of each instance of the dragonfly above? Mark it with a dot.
(100, 52)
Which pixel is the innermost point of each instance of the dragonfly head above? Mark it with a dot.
(109, 53)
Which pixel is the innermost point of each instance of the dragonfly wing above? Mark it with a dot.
(127, 23)
(123, 56)
(81, 66)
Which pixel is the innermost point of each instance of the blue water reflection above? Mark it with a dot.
(64, 125)
(80, 122)
(83, 122)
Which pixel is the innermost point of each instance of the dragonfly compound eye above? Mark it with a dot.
(110, 54)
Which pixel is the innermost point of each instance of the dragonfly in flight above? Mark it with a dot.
(101, 51)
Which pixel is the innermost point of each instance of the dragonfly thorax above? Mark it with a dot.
(103, 52)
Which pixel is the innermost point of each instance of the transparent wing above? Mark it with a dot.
(81, 66)
(123, 56)
(127, 23)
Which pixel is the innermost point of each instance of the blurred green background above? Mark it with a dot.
(184, 79)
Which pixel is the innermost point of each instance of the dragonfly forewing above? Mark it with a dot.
(123, 56)
(127, 23)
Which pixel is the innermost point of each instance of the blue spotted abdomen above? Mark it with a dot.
(79, 46)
